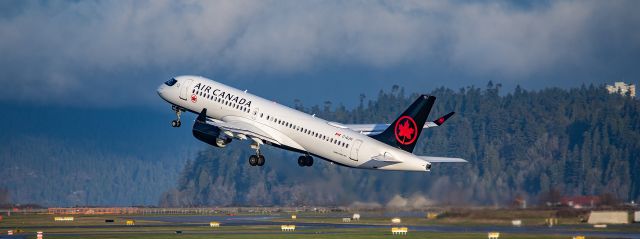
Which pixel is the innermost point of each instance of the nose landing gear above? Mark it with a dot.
(176, 123)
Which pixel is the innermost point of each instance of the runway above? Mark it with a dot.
(255, 225)
(585, 230)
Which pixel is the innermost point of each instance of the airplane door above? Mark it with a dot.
(355, 149)
(255, 113)
(184, 89)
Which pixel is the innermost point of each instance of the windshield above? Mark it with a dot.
(171, 82)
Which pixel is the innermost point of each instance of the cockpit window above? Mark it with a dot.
(171, 82)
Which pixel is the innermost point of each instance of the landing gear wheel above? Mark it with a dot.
(253, 160)
(260, 160)
(305, 160)
(175, 123)
(309, 161)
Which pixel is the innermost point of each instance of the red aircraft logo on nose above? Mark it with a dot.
(406, 130)
(194, 98)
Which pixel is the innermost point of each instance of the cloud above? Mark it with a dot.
(67, 49)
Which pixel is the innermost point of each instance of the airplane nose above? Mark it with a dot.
(160, 90)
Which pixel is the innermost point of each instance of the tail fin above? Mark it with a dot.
(405, 130)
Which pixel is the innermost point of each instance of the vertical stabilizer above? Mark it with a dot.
(403, 133)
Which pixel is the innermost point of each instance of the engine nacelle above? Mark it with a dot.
(210, 134)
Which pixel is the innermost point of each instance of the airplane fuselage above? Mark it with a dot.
(287, 128)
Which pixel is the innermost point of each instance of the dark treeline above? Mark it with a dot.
(57, 173)
(580, 141)
(65, 156)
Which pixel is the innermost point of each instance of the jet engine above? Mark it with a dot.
(210, 134)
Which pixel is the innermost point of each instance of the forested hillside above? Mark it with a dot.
(55, 156)
(579, 141)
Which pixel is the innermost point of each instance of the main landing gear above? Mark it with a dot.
(256, 159)
(305, 160)
(176, 122)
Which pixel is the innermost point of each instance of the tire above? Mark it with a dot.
(253, 160)
(260, 160)
(301, 161)
(179, 123)
(309, 161)
(174, 123)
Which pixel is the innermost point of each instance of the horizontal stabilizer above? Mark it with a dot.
(442, 159)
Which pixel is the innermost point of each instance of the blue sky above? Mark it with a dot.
(115, 53)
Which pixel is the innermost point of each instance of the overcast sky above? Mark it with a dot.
(116, 53)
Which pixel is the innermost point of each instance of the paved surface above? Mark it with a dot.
(585, 230)
(186, 222)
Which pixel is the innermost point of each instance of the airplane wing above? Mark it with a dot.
(242, 128)
(368, 129)
(432, 159)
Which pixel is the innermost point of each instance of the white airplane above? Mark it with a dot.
(226, 113)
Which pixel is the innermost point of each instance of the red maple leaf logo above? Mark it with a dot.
(405, 130)
(194, 98)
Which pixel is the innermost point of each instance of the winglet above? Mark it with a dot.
(442, 119)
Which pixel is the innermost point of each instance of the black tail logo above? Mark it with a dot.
(405, 130)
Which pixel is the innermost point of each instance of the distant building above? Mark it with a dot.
(609, 217)
(94, 210)
(622, 88)
(580, 201)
